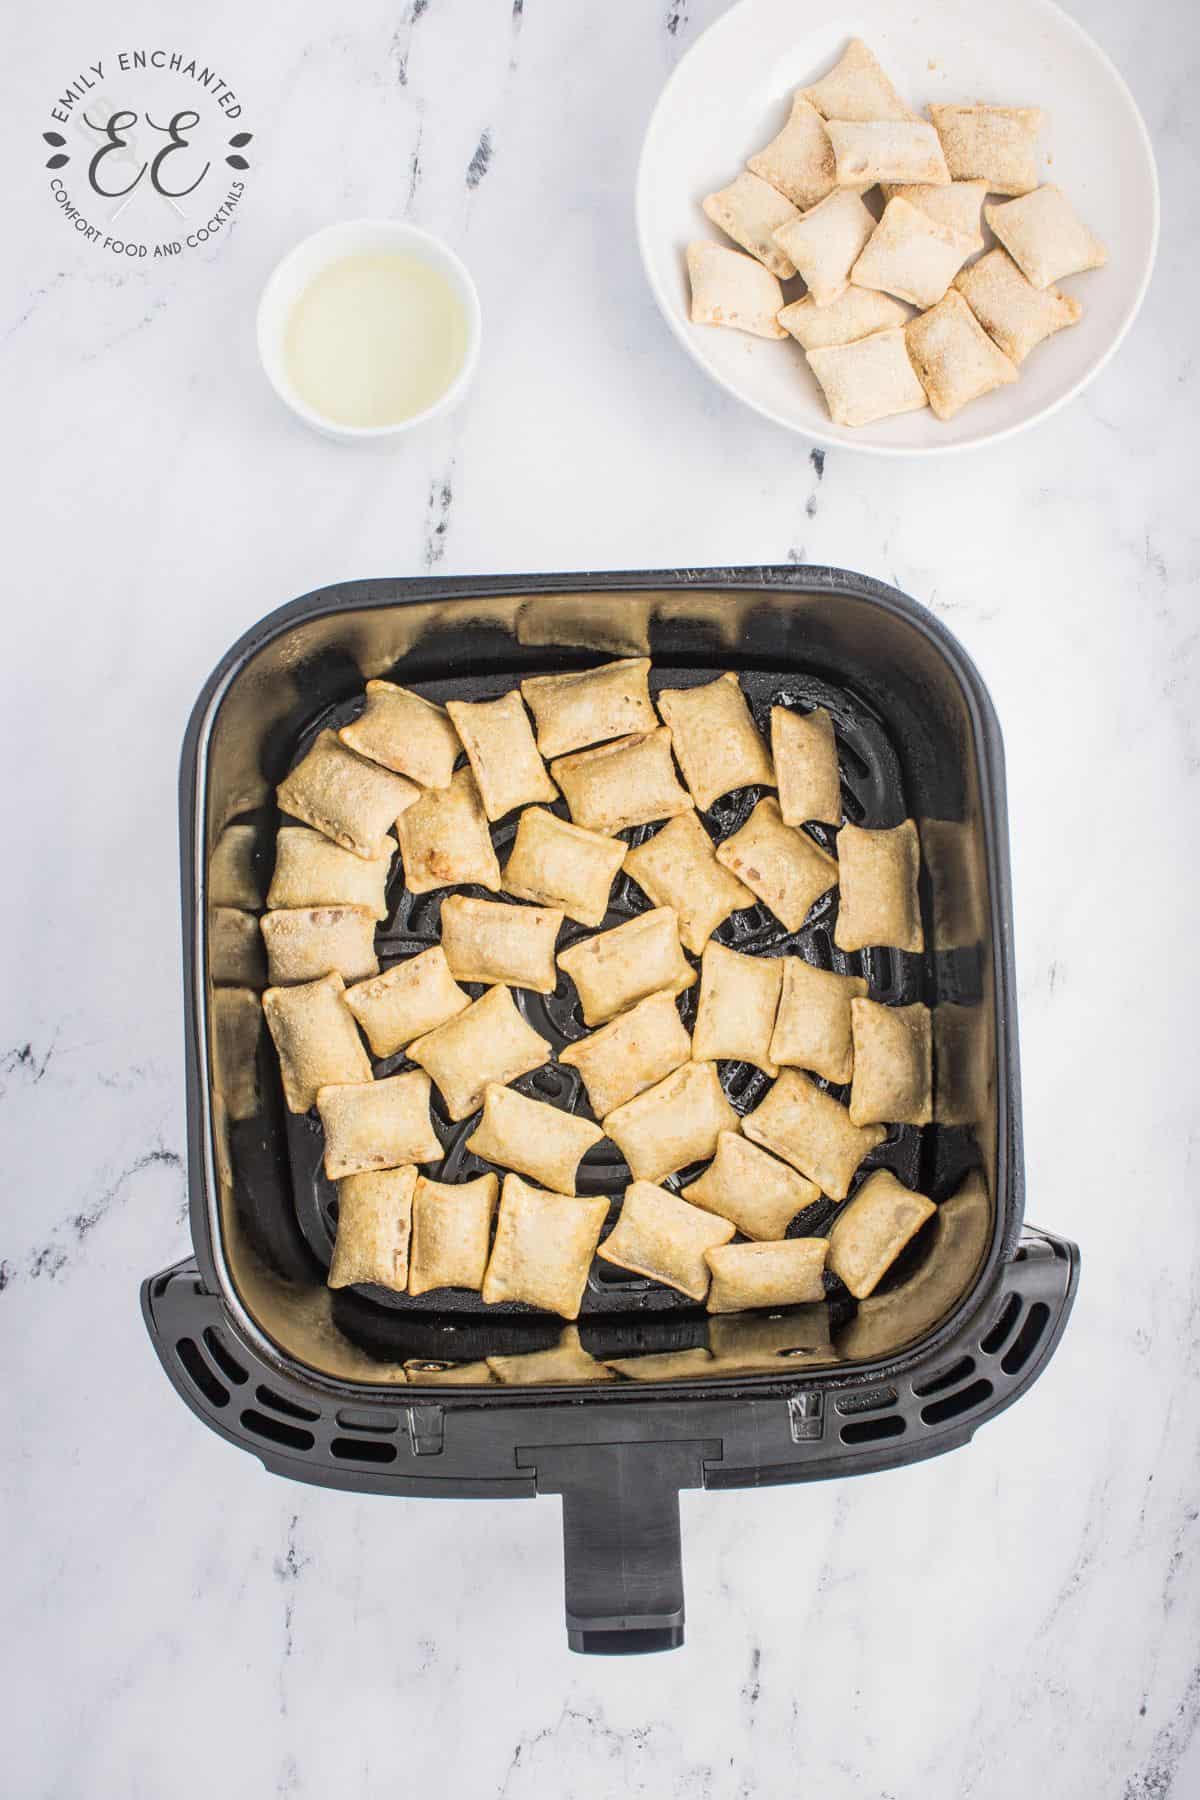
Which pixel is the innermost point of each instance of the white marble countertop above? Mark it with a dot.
(1020, 1616)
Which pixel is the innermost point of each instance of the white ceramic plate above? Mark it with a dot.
(730, 95)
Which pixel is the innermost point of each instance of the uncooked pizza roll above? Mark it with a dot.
(568, 1361)
(1016, 315)
(856, 88)
(824, 243)
(870, 150)
(893, 1064)
(305, 942)
(757, 1193)
(954, 357)
(532, 1137)
(590, 706)
(911, 255)
(675, 1123)
(451, 1230)
(563, 865)
(877, 899)
(232, 873)
(812, 1131)
(960, 205)
(498, 740)
(629, 1055)
(660, 1236)
(731, 289)
(663, 1365)
(750, 211)
(853, 315)
(869, 1234)
(617, 968)
(812, 1027)
(739, 996)
(786, 1274)
(311, 871)
(489, 1041)
(678, 867)
(373, 1230)
(235, 948)
(377, 1124)
(628, 782)
(237, 1027)
(714, 738)
(782, 865)
(488, 940)
(444, 839)
(409, 999)
(316, 1037)
(995, 144)
(806, 766)
(543, 1249)
(798, 161)
(868, 380)
(351, 801)
(405, 733)
(1044, 236)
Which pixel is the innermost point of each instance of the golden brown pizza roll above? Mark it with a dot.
(825, 242)
(237, 1016)
(488, 940)
(1016, 315)
(377, 1124)
(678, 868)
(235, 948)
(409, 999)
(812, 1131)
(615, 969)
(911, 255)
(715, 740)
(893, 1064)
(1045, 237)
(568, 1361)
(783, 866)
(798, 161)
(663, 1237)
(232, 870)
(806, 766)
(451, 1229)
(869, 1234)
(308, 941)
(739, 997)
(345, 798)
(674, 1123)
(869, 379)
(628, 782)
(489, 1041)
(954, 357)
(856, 88)
(543, 1249)
(373, 1229)
(562, 865)
(532, 1137)
(853, 315)
(444, 839)
(498, 740)
(995, 145)
(663, 1365)
(812, 1027)
(316, 1037)
(731, 289)
(590, 706)
(784, 1274)
(405, 733)
(749, 211)
(630, 1054)
(960, 205)
(312, 871)
(877, 899)
(757, 1193)
(903, 150)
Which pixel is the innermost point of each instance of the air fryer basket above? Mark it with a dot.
(378, 1392)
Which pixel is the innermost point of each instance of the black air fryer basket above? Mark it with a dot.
(389, 1394)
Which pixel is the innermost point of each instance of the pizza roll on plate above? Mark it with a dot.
(345, 798)
(869, 1234)
(318, 1043)
(869, 150)
(911, 255)
(498, 740)
(444, 839)
(678, 868)
(1016, 315)
(617, 968)
(373, 1229)
(590, 706)
(672, 1124)
(812, 1131)
(750, 211)
(451, 1229)
(825, 242)
(784, 1274)
(959, 206)
(543, 1249)
(627, 1056)
(731, 289)
(783, 866)
(893, 1064)
(304, 942)
(757, 1193)
(568, 1361)
(628, 782)
(996, 145)
(739, 997)
(869, 379)
(854, 314)
(714, 738)
(661, 1236)
(235, 947)
(856, 88)
(491, 941)
(532, 1137)
(312, 871)
(232, 873)
(377, 1124)
(877, 899)
(563, 865)
(798, 161)
(954, 357)
(409, 999)
(813, 1027)
(405, 733)
(806, 766)
(1045, 237)
(489, 1041)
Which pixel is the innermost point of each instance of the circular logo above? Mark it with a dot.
(147, 155)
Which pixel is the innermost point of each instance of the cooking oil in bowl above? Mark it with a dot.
(375, 339)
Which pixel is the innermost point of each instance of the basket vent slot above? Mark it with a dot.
(199, 1373)
(998, 1333)
(290, 1436)
(865, 1431)
(350, 1419)
(945, 1378)
(291, 1409)
(224, 1358)
(1027, 1339)
(365, 1450)
(961, 1401)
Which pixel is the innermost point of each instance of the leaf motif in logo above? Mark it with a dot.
(237, 162)
(56, 162)
(238, 141)
(53, 138)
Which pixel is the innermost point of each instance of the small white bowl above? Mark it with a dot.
(357, 237)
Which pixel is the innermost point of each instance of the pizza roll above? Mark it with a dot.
(617, 968)
(893, 1064)
(661, 1236)
(235, 948)
(377, 1124)
(451, 1231)
(316, 1037)
(855, 314)
(543, 1249)
(731, 289)
(959, 206)
(954, 357)
(782, 865)
(1016, 315)
(856, 88)
(750, 211)
(405, 733)
(305, 942)
(532, 1137)
(568, 1361)
(590, 706)
(232, 874)
(427, 1371)
(757, 1193)
(911, 255)
(812, 1027)
(824, 243)
(373, 1229)
(957, 1239)
(624, 1058)
(237, 1027)
(672, 1124)
(351, 801)
(488, 1041)
(806, 766)
(563, 865)
(409, 999)
(812, 1131)
(869, 1234)
(785, 1274)
(678, 867)
(628, 782)
(663, 1365)
(868, 380)
(715, 740)
(798, 161)
(444, 839)
(996, 145)
(488, 940)
(312, 871)
(1044, 237)
(877, 898)
(869, 150)
(779, 1341)
(498, 740)
(739, 996)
